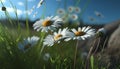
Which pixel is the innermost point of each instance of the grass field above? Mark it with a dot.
(28, 46)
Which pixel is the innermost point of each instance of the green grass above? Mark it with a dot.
(61, 55)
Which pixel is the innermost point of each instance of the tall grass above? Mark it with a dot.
(61, 56)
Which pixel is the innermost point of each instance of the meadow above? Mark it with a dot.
(48, 43)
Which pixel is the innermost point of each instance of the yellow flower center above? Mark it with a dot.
(57, 37)
(79, 33)
(46, 23)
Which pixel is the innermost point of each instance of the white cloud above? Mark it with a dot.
(19, 12)
(21, 3)
(28, 12)
(12, 10)
(3, 1)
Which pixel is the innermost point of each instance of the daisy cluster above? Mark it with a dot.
(53, 27)
(70, 14)
(97, 15)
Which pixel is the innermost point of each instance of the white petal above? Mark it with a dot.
(74, 30)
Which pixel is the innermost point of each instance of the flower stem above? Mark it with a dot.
(75, 57)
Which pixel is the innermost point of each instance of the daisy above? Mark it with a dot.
(77, 9)
(60, 11)
(49, 40)
(40, 3)
(28, 43)
(91, 18)
(83, 33)
(65, 18)
(101, 32)
(64, 34)
(49, 23)
(74, 16)
(70, 9)
(34, 15)
(98, 14)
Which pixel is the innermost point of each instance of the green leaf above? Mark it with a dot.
(92, 61)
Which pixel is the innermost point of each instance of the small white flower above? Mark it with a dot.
(34, 15)
(65, 18)
(31, 10)
(99, 14)
(102, 30)
(60, 11)
(46, 56)
(28, 43)
(91, 18)
(70, 9)
(83, 33)
(49, 23)
(77, 9)
(40, 3)
(73, 17)
(64, 34)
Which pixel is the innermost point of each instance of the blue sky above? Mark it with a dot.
(109, 8)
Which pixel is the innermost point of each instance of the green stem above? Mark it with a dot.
(75, 57)
(27, 24)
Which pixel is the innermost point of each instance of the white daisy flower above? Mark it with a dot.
(40, 3)
(49, 40)
(73, 17)
(28, 43)
(99, 14)
(77, 9)
(60, 11)
(49, 23)
(70, 9)
(64, 34)
(83, 33)
(46, 56)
